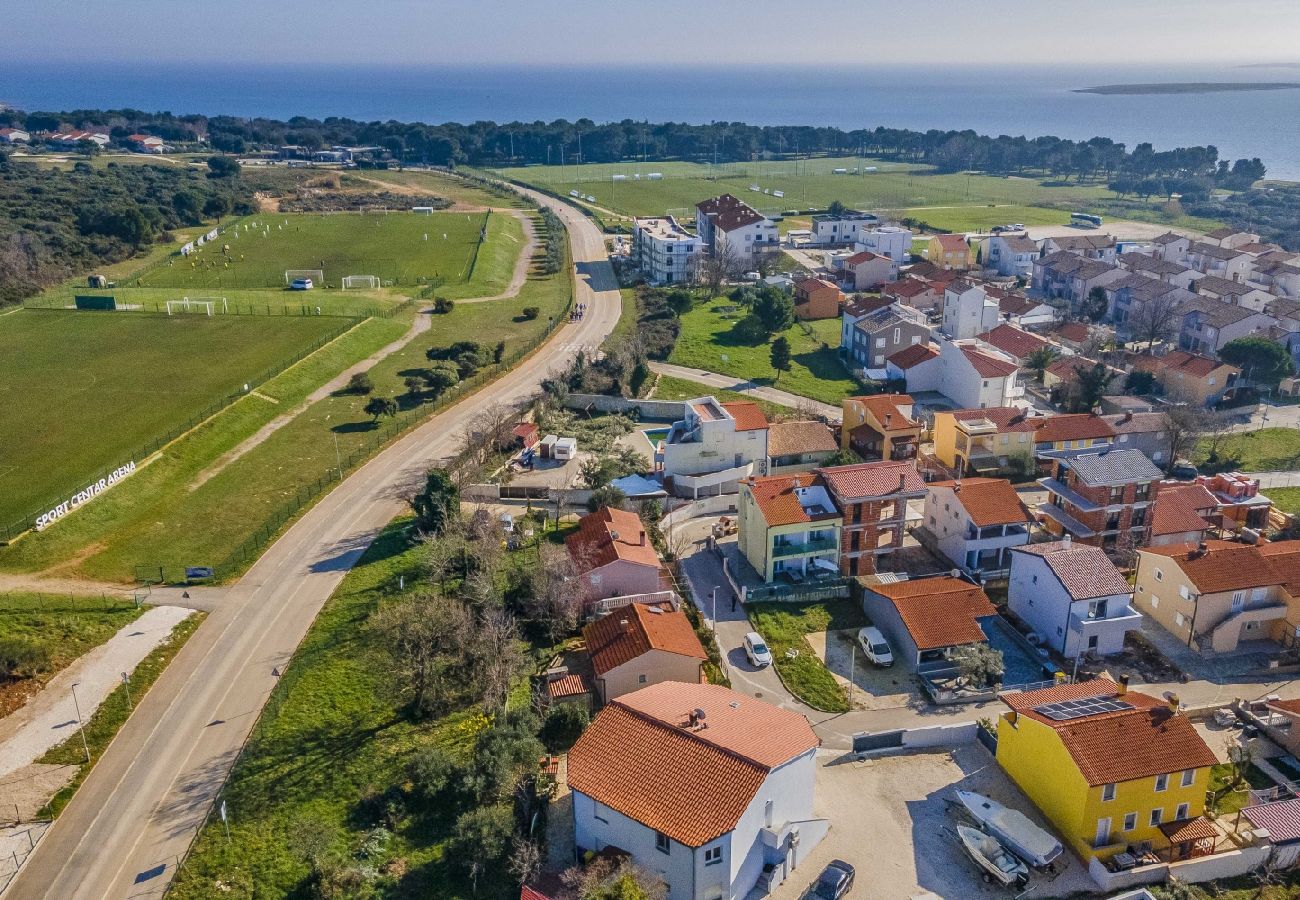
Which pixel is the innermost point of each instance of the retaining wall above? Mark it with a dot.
(668, 410)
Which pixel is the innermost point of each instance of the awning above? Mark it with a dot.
(1184, 830)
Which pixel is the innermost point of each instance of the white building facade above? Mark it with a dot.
(664, 251)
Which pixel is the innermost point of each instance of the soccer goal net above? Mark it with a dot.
(205, 305)
(360, 282)
(316, 275)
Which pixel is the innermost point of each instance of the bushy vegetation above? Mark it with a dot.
(622, 370)
(1272, 211)
(555, 237)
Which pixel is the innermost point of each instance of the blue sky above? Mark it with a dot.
(719, 32)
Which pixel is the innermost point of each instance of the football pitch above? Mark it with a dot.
(83, 390)
(401, 248)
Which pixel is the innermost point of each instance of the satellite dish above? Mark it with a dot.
(955, 573)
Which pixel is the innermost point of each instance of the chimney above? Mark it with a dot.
(1172, 699)
(691, 720)
(1066, 541)
(642, 537)
(1128, 417)
(902, 482)
(1121, 688)
(956, 486)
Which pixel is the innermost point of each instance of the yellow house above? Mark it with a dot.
(789, 527)
(1113, 769)
(982, 440)
(949, 252)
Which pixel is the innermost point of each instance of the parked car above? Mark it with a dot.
(301, 284)
(1183, 470)
(834, 882)
(875, 646)
(756, 649)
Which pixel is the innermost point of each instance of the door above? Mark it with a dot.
(1103, 833)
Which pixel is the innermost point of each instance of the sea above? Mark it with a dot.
(1028, 100)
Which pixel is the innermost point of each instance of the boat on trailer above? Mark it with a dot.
(1012, 828)
(1000, 865)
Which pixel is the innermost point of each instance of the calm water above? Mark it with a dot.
(1005, 100)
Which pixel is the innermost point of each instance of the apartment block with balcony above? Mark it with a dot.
(664, 251)
(789, 528)
(975, 523)
(714, 446)
(872, 498)
(971, 441)
(1073, 596)
(1101, 499)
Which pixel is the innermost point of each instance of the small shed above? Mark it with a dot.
(525, 435)
(566, 448)
(546, 448)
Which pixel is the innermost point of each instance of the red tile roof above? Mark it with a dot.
(858, 259)
(1013, 340)
(641, 757)
(888, 408)
(1176, 509)
(988, 501)
(634, 630)
(729, 213)
(747, 414)
(952, 243)
(907, 288)
(939, 612)
(910, 357)
(608, 535)
(864, 306)
(1008, 419)
(789, 438)
(1074, 331)
(1283, 556)
(989, 366)
(571, 685)
(1223, 566)
(1072, 427)
(1281, 818)
(1179, 361)
(1085, 572)
(776, 498)
(1122, 745)
(873, 479)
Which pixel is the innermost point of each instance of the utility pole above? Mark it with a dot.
(853, 668)
(715, 609)
(80, 724)
(126, 681)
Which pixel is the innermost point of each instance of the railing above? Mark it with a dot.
(780, 551)
(828, 589)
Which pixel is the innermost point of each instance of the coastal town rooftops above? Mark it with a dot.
(1168, 238)
(636, 629)
(747, 415)
(791, 499)
(1081, 243)
(1224, 287)
(884, 478)
(939, 612)
(988, 501)
(1179, 361)
(664, 228)
(1221, 565)
(1085, 572)
(1114, 467)
(863, 256)
(1214, 251)
(1020, 243)
(1284, 557)
(1179, 510)
(951, 243)
(891, 411)
(1063, 262)
(907, 288)
(1140, 262)
(865, 306)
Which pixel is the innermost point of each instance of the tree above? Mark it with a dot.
(603, 879)
(440, 377)
(1038, 361)
(1261, 360)
(21, 658)
(437, 505)
(504, 754)
(429, 641)
(780, 356)
(1155, 320)
(531, 312)
(480, 839)
(979, 664)
(1184, 426)
(497, 658)
(1089, 386)
(442, 305)
(836, 209)
(606, 496)
(774, 308)
(222, 167)
(564, 725)
(359, 383)
(679, 301)
(217, 206)
(431, 771)
(378, 407)
(1095, 306)
(525, 860)
(844, 457)
(1139, 382)
(714, 269)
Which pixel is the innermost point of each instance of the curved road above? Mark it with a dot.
(134, 816)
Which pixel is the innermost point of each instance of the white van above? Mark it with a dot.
(875, 646)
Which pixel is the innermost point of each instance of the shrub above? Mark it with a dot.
(443, 305)
(531, 312)
(20, 658)
(564, 725)
(360, 383)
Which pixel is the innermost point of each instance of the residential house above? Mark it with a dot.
(928, 620)
(886, 240)
(1237, 293)
(967, 310)
(1076, 336)
(798, 446)
(788, 525)
(1231, 238)
(1145, 431)
(872, 498)
(145, 143)
(880, 426)
(880, 334)
(830, 231)
(1014, 342)
(1240, 504)
(858, 308)
(1072, 596)
(664, 251)
(949, 251)
(1184, 515)
(925, 296)
(1165, 270)
(1211, 595)
(1211, 259)
(816, 298)
(1171, 247)
(866, 271)
(1101, 499)
(1021, 311)
(1189, 378)
(14, 136)
(1071, 432)
(714, 446)
(1063, 373)
(613, 556)
(975, 523)
(1071, 277)
(1010, 255)
(976, 379)
(729, 226)
(1089, 246)
(705, 787)
(642, 644)
(1139, 306)
(1111, 768)
(1279, 275)
(918, 367)
(982, 440)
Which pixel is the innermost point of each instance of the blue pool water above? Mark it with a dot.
(1022, 666)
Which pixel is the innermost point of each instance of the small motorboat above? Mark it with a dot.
(1013, 828)
(999, 864)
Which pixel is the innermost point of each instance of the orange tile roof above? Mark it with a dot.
(1176, 509)
(1284, 557)
(1224, 566)
(1008, 419)
(571, 685)
(595, 544)
(988, 501)
(889, 407)
(873, 479)
(747, 414)
(939, 612)
(952, 243)
(775, 496)
(912, 356)
(1286, 706)
(908, 287)
(640, 757)
(859, 258)
(634, 630)
(1016, 341)
(1072, 427)
(1179, 361)
(789, 438)
(989, 366)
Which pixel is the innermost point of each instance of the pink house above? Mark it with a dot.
(614, 556)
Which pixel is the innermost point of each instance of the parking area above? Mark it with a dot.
(890, 819)
(873, 688)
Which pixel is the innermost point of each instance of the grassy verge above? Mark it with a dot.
(112, 715)
(670, 388)
(709, 342)
(626, 327)
(1265, 450)
(1286, 499)
(331, 741)
(785, 627)
(1230, 803)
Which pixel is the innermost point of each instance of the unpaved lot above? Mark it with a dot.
(890, 819)
(873, 688)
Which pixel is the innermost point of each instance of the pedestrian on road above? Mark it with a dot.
(733, 601)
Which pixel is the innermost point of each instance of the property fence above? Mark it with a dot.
(64, 300)
(139, 454)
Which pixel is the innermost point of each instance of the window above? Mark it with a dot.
(714, 854)
(1184, 592)
(662, 843)
(1130, 821)
(1178, 617)
(898, 334)
(1238, 600)
(641, 679)
(1117, 495)
(1181, 812)
(1162, 782)
(880, 342)
(1157, 816)
(1160, 576)
(595, 578)
(1108, 792)
(1189, 776)
(1155, 602)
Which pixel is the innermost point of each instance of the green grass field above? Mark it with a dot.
(707, 342)
(669, 388)
(392, 247)
(1265, 450)
(83, 390)
(785, 626)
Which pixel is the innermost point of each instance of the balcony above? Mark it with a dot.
(1068, 494)
(1085, 625)
(782, 551)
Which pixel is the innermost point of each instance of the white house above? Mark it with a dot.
(967, 310)
(918, 367)
(1171, 247)
(664, 251)
(727, 225)
(1211, 259)
(977, 378)
(14, 136)
(1009, 254)
(1089, 246)
(710, 789)
(975, 523)
(1072, 596)
(714, 446)
(865, 271)
(828, 230)
(1238, 293)
(887, 240)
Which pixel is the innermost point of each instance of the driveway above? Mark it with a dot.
(890, 819)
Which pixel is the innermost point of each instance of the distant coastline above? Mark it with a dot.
(1189, 87)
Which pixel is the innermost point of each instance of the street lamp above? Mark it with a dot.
(81, 725)
(126, 681)
(715, 608)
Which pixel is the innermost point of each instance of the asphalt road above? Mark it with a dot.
(135, 815)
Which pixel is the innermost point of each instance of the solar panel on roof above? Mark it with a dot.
(1077, 709)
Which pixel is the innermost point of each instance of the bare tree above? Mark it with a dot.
(557, 597)
(525, 860)
(498, 658)
(427, 638)
(1184, 426)
(603, 878)
(713, 270)
(1155, 320)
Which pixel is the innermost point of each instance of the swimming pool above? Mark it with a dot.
(655, 435)
(1022, 664)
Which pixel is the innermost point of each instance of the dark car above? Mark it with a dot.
(834, 881)
(1183, 470)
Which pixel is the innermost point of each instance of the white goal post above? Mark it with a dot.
(316, 275)
(206, 305)
(360, 282)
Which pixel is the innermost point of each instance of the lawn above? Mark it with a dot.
(708, 342)
(238, 301)
(785, 625)
(83, 391)
(400, 247)
(331, 742)
(1286, 499)
(1221, 776)
(670, 388)
(983, 217)
(1265, 450)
